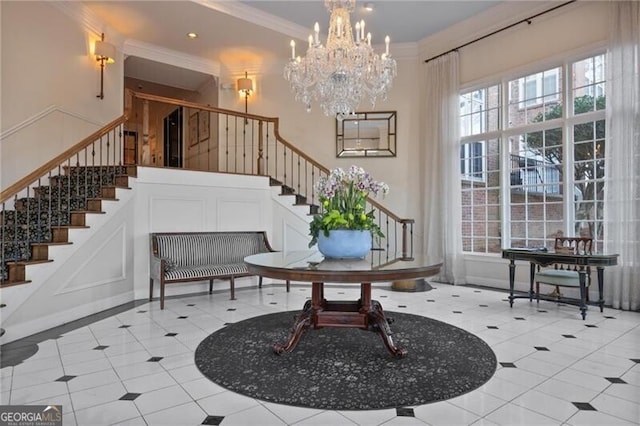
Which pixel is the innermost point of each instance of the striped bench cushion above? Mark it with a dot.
(194, 272)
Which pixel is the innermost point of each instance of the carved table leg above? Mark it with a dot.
(512, 278)
(378, 322)
(303, 321)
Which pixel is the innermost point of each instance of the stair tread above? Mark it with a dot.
(68, 226)
(52, 243)
(29, 262)
(4, 284)
(88, 211)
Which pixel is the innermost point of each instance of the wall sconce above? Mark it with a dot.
(245, 88)
(105, 54)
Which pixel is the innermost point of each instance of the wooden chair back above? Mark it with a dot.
(573, 245)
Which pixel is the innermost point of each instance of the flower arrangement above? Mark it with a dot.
(343, 195)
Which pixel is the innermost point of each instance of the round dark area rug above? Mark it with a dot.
(346, 369)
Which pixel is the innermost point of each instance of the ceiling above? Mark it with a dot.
(255, 35)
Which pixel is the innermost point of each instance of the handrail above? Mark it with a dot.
(40, 171)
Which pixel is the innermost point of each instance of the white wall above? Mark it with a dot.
(48, 66)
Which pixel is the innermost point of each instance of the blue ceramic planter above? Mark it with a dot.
(345, 244)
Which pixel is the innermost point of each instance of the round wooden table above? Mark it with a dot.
(364, 313)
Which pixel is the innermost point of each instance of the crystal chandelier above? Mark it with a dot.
(340, 74)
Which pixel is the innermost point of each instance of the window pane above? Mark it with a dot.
(481, 197)
(479, 111)
(535, 98)
(589, 85)
(536, 186)
(588, 180)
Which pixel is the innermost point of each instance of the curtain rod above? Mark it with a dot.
(527, 20)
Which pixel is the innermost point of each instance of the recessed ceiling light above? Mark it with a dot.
(192, 35)
(368, 7)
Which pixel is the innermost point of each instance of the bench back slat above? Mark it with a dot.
(206, 248)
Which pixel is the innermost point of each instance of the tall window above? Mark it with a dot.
(552, 156)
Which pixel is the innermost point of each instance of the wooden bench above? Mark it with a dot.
(178, 257)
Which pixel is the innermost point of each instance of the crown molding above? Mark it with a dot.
(83, 15)
(258, 17)
(171, 57)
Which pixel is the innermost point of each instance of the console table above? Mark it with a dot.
(364, 313)
(545, 258)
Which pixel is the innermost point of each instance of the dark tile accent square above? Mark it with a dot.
(273, 303)
(171, 334)
(155, 359)
(212, 420)
(609, 317)
(591, 325)
(405, 412)
(384, 296)
(191, 304)
(100, 348)
(492, 327)
(636, 360)
(484, 306)
(231, 309)
(584, 406)
(65, 378)
(508, 365)
(402, 306)
(129, 396)
(455, 295)
(269, 294)
(182, 317)
(141, 312)
(477, 291)
(519, 318)
(569, 336)
(542, 311)
(430, 300)
(124, 326)
(541, 348)
(341, 292)
(615, 380)
(457, 312)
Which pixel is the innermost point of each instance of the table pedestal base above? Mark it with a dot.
(364, 313)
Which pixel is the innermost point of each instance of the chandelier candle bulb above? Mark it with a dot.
(386, 42)
(316, 30)
(310, 41)
(358, 32)
(369, 39)
(362, 29)
(293, 49)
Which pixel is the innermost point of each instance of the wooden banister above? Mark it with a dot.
(49, 165)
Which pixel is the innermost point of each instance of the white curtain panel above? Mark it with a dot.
(622, 169)
(441, 176)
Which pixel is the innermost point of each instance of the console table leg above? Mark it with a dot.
(379, 323)
(601, 288)
(512, 278)
(583, 292)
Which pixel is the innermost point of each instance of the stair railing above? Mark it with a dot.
(222, 140)
(34, 208)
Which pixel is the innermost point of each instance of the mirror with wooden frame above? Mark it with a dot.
(367, 134)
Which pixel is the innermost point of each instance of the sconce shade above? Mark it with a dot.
(105, 51)
(245, 85)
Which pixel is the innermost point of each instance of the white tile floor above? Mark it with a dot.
(549, 360)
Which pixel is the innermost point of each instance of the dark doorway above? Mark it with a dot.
(173, 139)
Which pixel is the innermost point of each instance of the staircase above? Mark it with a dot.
(43, 217)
